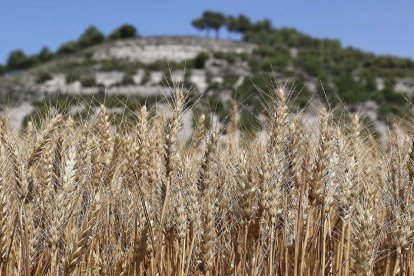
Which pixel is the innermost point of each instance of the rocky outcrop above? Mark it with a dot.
(173, 49)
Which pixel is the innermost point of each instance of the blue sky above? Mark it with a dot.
(379, 26)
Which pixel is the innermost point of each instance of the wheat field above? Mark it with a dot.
(92, 198)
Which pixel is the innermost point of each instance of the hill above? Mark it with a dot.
(128, 72)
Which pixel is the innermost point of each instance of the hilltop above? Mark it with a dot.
(128, 72)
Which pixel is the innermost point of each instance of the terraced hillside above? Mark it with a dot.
(126, 73)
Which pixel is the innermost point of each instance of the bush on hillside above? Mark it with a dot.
(43, 77)
(72, 77)
(68, 48)
(200, 60)
(91, 36)
(89, 81)
(45, 55)
(127, 79)
(125, 31)
(18, 60)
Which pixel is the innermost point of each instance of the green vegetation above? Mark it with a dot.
(45, 55)
(62, 103)
(72, 76)
(43, 77)
(210, 21)
(127, 79)
(200, 60)
(348, 74)
(89, 81)
(18, 60)
(68, 48)
(90, 37)
(123, 32)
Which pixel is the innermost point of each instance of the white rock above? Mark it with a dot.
(178, 76)
(156, 77)
(198, 77)
(176, 49)
(138, 76)
(109, 78)
(17, 114)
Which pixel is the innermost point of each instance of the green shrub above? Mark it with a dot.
(387, 110)
(72, 77)
(249, 122)
(145, 77)
(91, 36)
(89, 82)
(127, 80)
(311, 64)
(18, 60)
(45, 55)
(200, 60)
(68, 48)
(229, 57)
(88, 55)
(159, 65)
(125, 31)
(277, 63)
(390, 96)
(110, 65)
(303, 99)
(43, 77)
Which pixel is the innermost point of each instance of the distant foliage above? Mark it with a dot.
(89, 81)
(18, 60)
(90, 37)
(243, 24)
(231, 23)
(3, 69)
(127, 79)
(45, 55)
(348, 73)
(123, 32)
(43, 77)
(200, 60)
(68, 48)
(210, 21)
(215, 21)
(199, 24)
(72, 76)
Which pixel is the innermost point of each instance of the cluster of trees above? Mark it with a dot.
(211, 20)
(348, 74)
(241, 24)
(261, 32)
(18, 60)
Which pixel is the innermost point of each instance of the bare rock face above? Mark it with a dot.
(125, 68)
(404, 85)
(108, 79)
(17, 113)
(24, 87)
(173, 49)
(156, 77)
(198, 77)
(139, 76)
